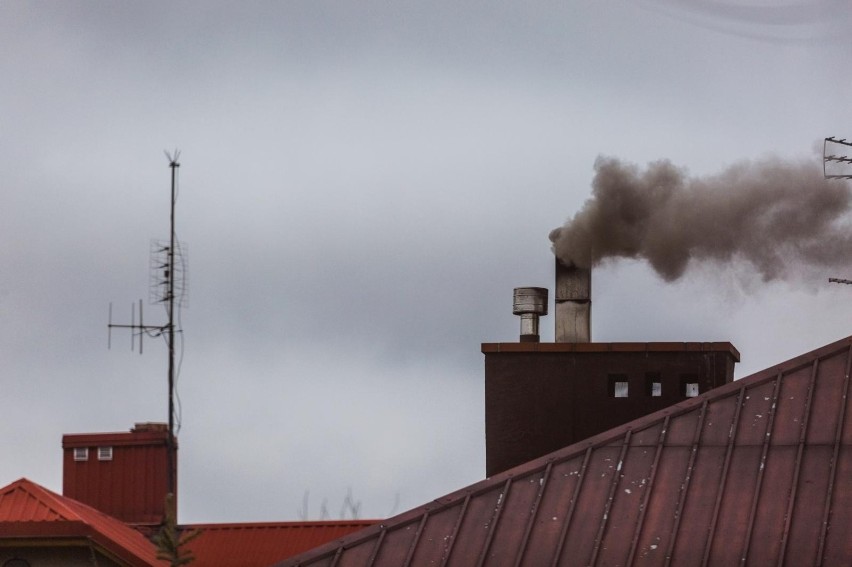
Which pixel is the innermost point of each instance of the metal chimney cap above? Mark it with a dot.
(529, 300)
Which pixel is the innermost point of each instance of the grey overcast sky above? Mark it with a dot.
(362, 185)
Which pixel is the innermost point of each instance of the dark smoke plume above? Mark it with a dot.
(776, 215)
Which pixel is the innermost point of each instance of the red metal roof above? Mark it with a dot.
(29, 511)
(262, 544)
(756, 472)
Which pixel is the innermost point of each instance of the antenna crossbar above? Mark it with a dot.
(842, 159)
(838, 162)
(140, 329)
(840, 141)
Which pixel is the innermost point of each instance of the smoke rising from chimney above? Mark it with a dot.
(779, 216)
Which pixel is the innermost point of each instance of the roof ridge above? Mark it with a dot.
(44, 497)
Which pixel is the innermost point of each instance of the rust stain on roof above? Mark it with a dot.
(756, 472)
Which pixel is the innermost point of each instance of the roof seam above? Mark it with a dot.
(571, 507)
(448, 550)
(337, 555)
(416, 539)
(723, 480)
(495, 519)
(838, 436)
(759, 481)
(543, 480)
(613, 486)
(803, 431)
(640, 521)
(684, 487)
(376, 546)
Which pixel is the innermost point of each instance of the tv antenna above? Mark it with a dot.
(168, 287)
(836, 166)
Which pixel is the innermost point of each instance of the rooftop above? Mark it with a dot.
(758, 471)
(29, 511)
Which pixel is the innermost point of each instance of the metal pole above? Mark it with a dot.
(170, 334)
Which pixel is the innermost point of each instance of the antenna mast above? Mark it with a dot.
(170, 336)
(167, 271)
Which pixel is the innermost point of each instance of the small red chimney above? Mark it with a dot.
(124, 475)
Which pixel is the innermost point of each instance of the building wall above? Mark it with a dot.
(542, 397)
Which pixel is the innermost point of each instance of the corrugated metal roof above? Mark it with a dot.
(756, 472)
(30, 511)
(262, 544)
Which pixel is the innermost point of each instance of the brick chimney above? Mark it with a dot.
(540, 397)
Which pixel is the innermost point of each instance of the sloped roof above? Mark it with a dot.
(29, 511)
(262, 544)
(756, 472)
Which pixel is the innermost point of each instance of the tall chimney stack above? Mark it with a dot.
(573, 304)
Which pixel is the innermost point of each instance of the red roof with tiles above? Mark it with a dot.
(755, 472)
(29, 511)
